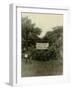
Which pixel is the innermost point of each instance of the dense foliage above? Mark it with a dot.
(29, 33)
(30, 37)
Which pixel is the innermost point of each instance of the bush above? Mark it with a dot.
(41, 55)
(44, 55)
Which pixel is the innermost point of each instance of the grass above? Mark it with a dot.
(41, 68)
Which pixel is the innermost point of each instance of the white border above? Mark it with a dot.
(16, 66)
(12, 45)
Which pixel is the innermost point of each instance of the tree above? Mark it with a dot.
(52, 36)
(55, 39)
(29, 33)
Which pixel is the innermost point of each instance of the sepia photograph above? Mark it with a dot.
(41, 44)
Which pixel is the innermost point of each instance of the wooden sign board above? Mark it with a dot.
(42, 45)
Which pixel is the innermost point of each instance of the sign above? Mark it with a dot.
(42, 45)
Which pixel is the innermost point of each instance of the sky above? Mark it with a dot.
(45, 21)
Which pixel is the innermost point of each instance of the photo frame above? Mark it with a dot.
(15, 62)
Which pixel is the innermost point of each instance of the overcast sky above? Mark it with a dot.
(45, 21)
